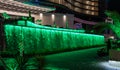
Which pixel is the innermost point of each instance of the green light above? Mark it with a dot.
(30, 24)
(11, 64)
(5, 15)
(115, 27)
(41, 39)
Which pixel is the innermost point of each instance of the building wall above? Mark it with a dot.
(82, 6)
(59, 19)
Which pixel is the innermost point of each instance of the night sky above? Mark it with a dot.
(114, 5)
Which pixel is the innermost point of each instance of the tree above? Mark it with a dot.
(101, 27)
(116, 18)
(5, 15)
(115, 27)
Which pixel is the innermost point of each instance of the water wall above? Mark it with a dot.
(40, 39)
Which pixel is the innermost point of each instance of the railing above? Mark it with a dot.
(81, 6)
(20, 7)
(84, 21)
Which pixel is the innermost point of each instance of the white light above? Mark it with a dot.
(112, 37)
(114, 63)
(64, 17)
(53, 17)
(107, 66)
(41, 16)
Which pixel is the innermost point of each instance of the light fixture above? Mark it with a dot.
(41, 16)
(53, 17)
(64, 18)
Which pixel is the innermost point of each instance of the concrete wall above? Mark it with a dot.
(114, 55)
(59, 19)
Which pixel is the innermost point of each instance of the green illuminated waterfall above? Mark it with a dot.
(40, 39)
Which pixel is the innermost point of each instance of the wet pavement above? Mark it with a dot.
(78, 60)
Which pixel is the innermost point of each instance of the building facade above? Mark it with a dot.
(83, 8)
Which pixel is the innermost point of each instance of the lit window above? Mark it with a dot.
(87, 7)
(87, 2)
(77, 9)
(92, 3)
(93, 8)
(92, 13)
(87, 12)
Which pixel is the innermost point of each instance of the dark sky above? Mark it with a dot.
(114, 5)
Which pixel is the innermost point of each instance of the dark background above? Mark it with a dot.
(113, 5)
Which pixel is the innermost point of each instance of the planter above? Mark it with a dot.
(114, 58)
(114, 55)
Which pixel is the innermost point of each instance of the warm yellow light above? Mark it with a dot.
(93, 4)
(87, 2)
(92, 13)
(87, 7)
(93, 8)
(87, 12)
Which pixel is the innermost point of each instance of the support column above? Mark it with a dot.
(2, 37)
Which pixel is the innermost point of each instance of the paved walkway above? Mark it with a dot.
(78, 60)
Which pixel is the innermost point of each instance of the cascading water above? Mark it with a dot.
(32, 39)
